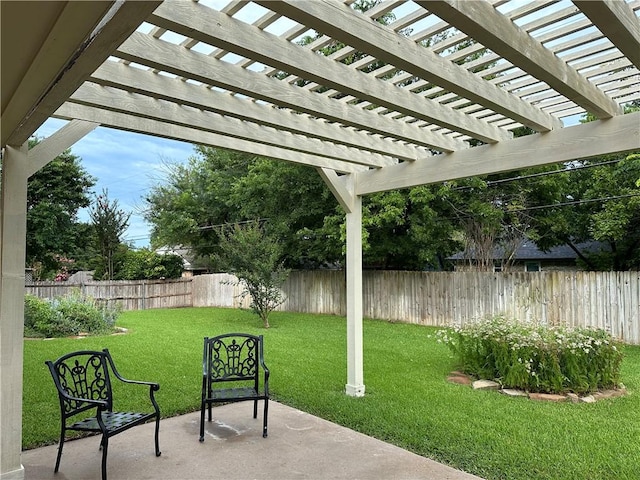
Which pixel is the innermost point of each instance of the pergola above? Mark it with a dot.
(394, 103)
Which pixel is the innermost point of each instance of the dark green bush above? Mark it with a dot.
(37, 313)
(144, 264)
(537, 358)
(65, 316)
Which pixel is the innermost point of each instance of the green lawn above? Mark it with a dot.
(408, 401)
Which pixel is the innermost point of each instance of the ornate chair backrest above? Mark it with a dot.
(81, 375)
(232, 357)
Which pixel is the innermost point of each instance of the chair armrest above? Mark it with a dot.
(154, 386)
(98, 403)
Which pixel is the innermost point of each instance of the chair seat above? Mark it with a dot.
(112, 421)
(245, 393)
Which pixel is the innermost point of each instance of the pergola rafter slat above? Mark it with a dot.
(121, 101)
(615, 20)
(146, 50)
(154, 127)
(496, 32)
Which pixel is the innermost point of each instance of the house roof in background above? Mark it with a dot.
(189, 260)
(528, 250)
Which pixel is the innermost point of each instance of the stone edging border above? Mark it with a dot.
(464, 379)
(81, 335)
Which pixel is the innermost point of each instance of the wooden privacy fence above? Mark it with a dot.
(127, 294)
(609, 300)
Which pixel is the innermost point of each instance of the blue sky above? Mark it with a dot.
(126, 164)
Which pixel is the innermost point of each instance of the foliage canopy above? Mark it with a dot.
(55, 194)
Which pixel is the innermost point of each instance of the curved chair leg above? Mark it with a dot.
(105, 447)
(59, 451)
(255, 409)
(158, 452)
(264, 419)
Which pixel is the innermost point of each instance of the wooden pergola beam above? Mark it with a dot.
(158, 128)
(19, 120)
(145, 82)
(110, 99)
(601, 137)
(615, 19)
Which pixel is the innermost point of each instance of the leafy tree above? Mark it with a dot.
(109, 223)
(406, 229)
(220, 187)
(493, 214)
(54, 196)
(195, 199)
(410, 229)
(403, 230)
(602, 203)
(254, 255)
(295, 201)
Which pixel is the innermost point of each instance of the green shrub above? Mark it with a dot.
(144, 264)
(536, 358)
(66, 316)
(37, 313)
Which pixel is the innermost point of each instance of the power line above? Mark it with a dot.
(541, 174)
(211, 227)
(552, 172)
(576, 202)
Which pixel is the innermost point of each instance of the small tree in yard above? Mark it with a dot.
(255, 257)
(109, 222)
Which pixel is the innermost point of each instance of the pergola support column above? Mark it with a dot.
(343, 188)
(13, 228)
(355, 367)
(18, 164)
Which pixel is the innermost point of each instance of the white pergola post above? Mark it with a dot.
(355, 367)
(18, 164)
(13, 227)
(343, 188)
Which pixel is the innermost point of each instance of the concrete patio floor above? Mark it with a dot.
(299, 446)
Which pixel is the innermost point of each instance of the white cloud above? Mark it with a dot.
(126, 164)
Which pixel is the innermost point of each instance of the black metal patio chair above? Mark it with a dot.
(231, 367)
(83, 382)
